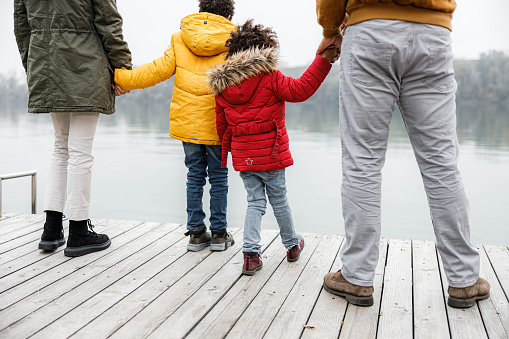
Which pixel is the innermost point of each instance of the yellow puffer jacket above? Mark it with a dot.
(194, 50)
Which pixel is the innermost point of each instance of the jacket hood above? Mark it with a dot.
(205, 33)
(240, 66)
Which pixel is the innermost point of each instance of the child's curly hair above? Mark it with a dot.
(224, 8)
(247, 36)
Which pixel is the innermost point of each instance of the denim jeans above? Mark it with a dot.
(70, 172)
(274, 183)
(202, 161)
(383, 63)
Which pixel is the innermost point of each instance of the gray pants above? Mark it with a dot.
(384, 62)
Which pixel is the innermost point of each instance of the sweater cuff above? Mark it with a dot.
(330, 33)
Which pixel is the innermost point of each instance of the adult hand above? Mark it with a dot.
(327, 43)
(343, 25)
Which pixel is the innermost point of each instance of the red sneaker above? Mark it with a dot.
(293, 253)
(252, 263)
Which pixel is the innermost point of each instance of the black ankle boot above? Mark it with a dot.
(83, 240)
(53, 234)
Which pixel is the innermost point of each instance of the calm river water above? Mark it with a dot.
(139, 171)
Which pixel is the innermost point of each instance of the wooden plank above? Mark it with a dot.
(21, 251)
(396, 309)
(255, 320)
(22, 227)
(430, 318)
(198, 305)
(495, 309)
(129, 265)
(499, 259)
(224, 314)
(7, 216)
(20, 284)
(17, 242)
(463, 323)
(19, 220)
(35, 236)
(35, 256)
(361, 322)
(17, 223)
(146, 321)
(293, 315)
(178, 263)
(328, 313)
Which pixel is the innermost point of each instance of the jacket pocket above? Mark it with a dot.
(440, 70)
(369, 62)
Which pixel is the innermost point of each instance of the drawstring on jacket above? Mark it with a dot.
(237, 131)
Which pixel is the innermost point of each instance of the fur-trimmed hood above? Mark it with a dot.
(242, 65)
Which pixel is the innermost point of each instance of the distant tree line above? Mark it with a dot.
(486, 79)
(482, 80)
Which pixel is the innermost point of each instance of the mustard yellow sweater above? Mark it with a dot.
(332, 12)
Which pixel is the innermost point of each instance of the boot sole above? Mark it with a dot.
(197, 247)
(51, 245)
(466, 303)
(222, 246)
(253, 272)
(82, 250)
(352, 299)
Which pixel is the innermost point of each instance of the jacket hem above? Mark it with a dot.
(196, 141)
(70, 109)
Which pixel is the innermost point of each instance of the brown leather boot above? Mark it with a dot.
(252, 263)
(358, 295)
(467, 296)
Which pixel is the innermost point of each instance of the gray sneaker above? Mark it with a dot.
(198, 240)
(221, 242)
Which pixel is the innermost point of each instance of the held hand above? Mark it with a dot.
(118, 90)
(330, 54)
(328, 43)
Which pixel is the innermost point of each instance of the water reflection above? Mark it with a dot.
(139, 172)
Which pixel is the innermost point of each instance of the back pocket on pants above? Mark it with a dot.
(369, 62)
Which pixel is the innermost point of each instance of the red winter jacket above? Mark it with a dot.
(250, 105)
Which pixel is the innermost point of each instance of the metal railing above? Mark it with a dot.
(33, 174)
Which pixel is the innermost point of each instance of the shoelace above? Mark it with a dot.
(91, 228)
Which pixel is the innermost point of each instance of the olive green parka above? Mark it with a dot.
(69, 50)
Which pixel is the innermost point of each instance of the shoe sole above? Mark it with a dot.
(82, 250)
(253, 272)
(222, 246)
(466, 303)
(352, 299)
(197, 247)
(51, 245)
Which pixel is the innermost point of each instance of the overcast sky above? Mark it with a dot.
(148, 26)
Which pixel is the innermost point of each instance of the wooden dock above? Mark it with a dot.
(148, 285)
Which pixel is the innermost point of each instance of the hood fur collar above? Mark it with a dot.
(242, 65)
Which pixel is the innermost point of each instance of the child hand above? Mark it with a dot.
(118, 90)
(330, 54)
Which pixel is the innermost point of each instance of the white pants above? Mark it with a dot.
(70, 172)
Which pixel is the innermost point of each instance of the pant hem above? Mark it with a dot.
(57, 207)
(463, 285)
(357, 282)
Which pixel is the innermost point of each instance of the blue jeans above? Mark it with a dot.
(256, 183)
(202, 161)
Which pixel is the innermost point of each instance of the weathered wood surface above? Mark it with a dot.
(148, 285)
